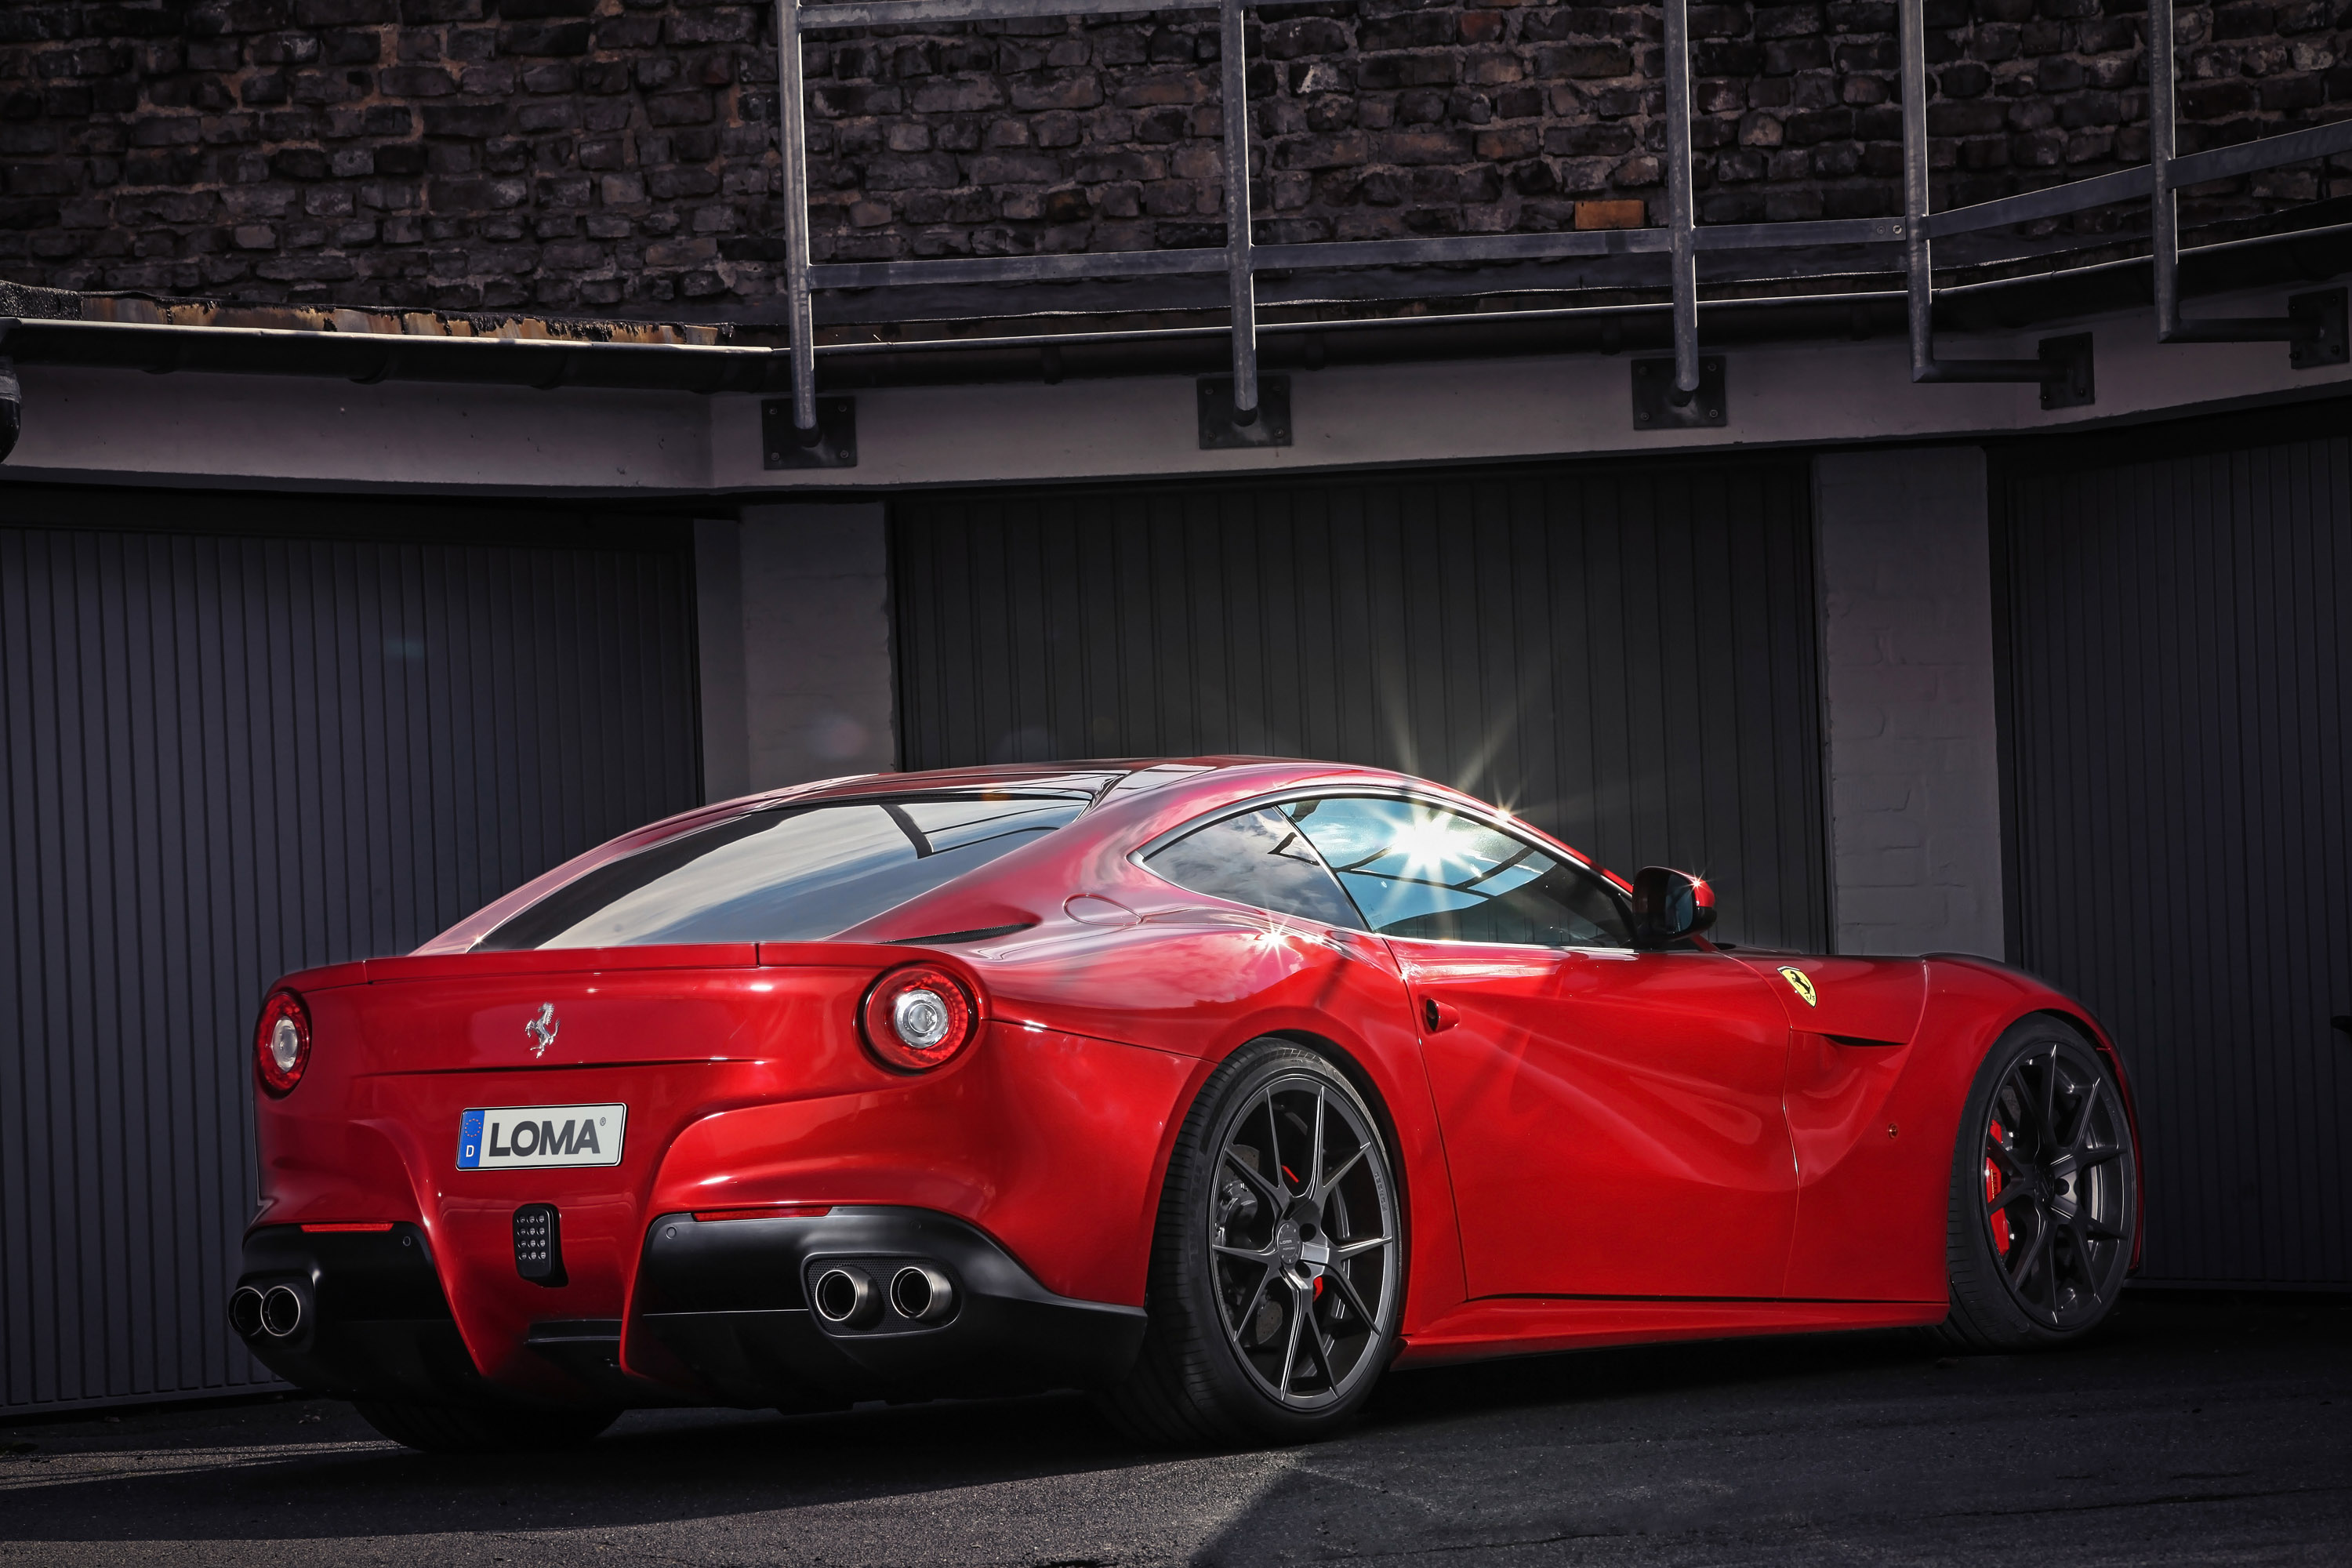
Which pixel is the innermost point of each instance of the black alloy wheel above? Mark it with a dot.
(1277, 1269)
(2045, 1194)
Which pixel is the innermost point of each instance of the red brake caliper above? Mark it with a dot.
(1993, 1191)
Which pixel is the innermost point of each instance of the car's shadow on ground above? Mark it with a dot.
(234, 1473)
(312, 1469)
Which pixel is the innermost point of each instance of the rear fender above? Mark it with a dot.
(1044, 1139)
(1202, 979)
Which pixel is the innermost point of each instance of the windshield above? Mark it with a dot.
(791, 874)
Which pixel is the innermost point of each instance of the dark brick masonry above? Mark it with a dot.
(618, 155)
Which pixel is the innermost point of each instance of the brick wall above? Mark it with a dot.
(616, 156)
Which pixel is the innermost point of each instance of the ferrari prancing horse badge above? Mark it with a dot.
(1799, 981)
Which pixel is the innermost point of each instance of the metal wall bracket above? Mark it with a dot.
(12, 398)
(1655, 408)
(2321, 338)
(1219, 433)
(2066, 379)
(782, 441)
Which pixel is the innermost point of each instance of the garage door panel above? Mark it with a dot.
(1624, 656)
(2178, 706)
(229, 756)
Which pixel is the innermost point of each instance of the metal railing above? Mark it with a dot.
(1678, 242)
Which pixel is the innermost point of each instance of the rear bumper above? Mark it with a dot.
(730, 1300)
(372, 1322)
(722, 1313)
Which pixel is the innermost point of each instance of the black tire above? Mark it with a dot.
(457, 1429)
(1323, 1253)
(2046, 1194)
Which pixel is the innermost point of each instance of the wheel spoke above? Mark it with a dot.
(1314, 1155)
(1347, 1290)
(1346, 1165)
(2082, 1127)
(2099, 1230)
(1274, 1193)
(1247, 1254)
(2011, 1167)
(1316, 1348)
(1274, 1146)
(2077, 1228)
(2091, 1158)
(1347, 1249)
(1290, 1352)
(2033, 1250)
(2006, 1196)
(2045, 1135)
(1265, 1278)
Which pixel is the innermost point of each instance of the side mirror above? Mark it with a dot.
(1669, 905)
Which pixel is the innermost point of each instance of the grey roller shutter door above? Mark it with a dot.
(1626, 656)
(2179, 698)
(229, 756)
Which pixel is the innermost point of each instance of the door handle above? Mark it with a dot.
(1436, 1015)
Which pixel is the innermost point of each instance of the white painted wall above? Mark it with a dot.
(1907, 656)
(794, 608)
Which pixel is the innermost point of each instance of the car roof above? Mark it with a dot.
(1149, 794)
(1104, 778)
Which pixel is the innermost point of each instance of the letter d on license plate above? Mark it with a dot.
(533, 1137)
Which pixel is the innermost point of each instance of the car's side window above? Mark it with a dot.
(1256, 859)
(1419, 870)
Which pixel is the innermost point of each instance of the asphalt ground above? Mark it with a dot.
(2204, 1430)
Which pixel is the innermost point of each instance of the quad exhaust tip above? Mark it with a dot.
(922, 1294)
(847, 1297)
(281, 1311)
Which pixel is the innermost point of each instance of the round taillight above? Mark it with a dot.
(281, 1042)
(918, 1018)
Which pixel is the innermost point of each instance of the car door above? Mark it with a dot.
(1611, 1118)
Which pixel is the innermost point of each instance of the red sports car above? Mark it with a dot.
(1214, 1085)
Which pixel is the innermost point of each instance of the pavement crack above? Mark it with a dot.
(2167, 1500)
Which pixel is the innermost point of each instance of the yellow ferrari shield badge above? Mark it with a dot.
(1800, 982)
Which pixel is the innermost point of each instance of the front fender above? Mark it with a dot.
(1873, 1227)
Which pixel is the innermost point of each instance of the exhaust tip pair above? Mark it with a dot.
(849, 1297)
(280, 1312)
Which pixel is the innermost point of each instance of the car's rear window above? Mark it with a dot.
(791, 874)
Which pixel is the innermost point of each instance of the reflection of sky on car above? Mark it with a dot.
(816, 872)
(1400, 860)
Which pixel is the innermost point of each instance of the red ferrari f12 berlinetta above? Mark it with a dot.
(1216, 1087)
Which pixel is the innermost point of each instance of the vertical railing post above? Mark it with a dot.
(1918, 265)
(1240, 287)
(2164, 211)
(792, 150)
(2307, 331)
(1681, 221)
(1912, 42)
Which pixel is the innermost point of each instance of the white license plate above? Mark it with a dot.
(533, 1137)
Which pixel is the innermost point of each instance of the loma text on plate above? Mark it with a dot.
(541, 1135)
